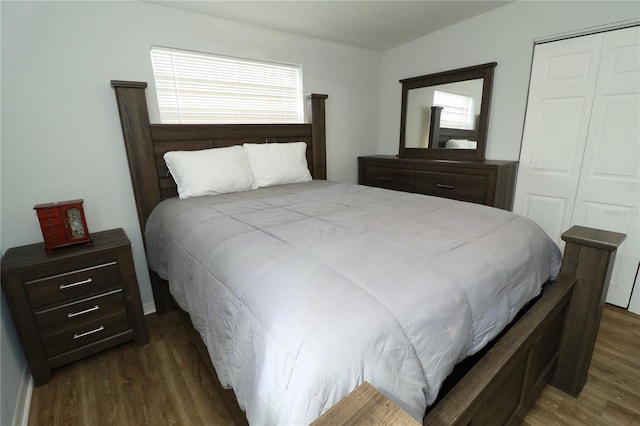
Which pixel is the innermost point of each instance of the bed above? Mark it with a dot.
(551, 341)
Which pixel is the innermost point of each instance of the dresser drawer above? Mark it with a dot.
(81, 312)
(461, 187)
(78, 283)
(388, 177)
(91, 331)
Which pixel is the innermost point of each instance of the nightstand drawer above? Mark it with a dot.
(489, 182)
(388, 177)
(77, 313)
(74, 284)
(461, 187)
(88, 332)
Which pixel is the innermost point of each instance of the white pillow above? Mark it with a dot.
(461, 143)
(210, 171)
(278, 163)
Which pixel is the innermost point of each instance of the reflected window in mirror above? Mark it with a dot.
(458, 111)
(444, 115)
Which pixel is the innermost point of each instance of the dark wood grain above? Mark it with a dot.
(365, 406)
(504, 378)
(457, 186)
(589, 256)
(489, 182)
(317, 116)
(134, 118)
(43, 288)
(553, 342)
(102, 270)
(483, 71)
(611, 395)
(162, 383)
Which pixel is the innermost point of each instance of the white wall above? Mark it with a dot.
(61, 136)
(504, 35)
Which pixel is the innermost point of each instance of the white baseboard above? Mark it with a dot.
(23, 404)
(149, 308)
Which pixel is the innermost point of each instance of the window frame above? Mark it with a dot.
(240, 90)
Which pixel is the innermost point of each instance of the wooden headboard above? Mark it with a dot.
(146, 143)
(438, 136)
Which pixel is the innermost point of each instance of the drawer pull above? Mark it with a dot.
(443, 186)
(86, 333)
(385, 179)
(65, 286)
(86, 311)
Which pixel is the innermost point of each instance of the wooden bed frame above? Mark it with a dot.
(438, 136)
(551, 343)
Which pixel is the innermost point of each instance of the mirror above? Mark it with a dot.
(444, 115)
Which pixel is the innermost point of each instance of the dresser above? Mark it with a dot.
(73, 302)
(489, 182)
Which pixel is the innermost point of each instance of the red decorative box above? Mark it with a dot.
(62, 223)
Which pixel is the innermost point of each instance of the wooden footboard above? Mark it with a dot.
(552, 342)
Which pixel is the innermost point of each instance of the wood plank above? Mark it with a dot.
(365, 406)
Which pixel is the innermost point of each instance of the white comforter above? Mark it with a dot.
(302, 292)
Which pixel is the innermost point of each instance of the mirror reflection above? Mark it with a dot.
(444, 115)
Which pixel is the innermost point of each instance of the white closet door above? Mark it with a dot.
(563, 81)
(608, 193)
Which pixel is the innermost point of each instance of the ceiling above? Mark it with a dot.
(375, 25)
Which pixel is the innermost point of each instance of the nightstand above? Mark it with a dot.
(73, 302)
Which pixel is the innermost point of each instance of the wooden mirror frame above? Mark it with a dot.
(485, 72)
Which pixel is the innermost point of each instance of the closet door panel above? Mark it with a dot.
(562, 86)
(608, 193)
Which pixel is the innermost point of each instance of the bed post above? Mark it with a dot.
(134, 119)
(589, 256)
(316, 116)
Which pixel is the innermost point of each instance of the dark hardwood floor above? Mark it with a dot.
(162, 383)
(612, 393)
(166, 383)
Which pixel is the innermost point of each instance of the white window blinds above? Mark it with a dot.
(197, 87)
(457, 110)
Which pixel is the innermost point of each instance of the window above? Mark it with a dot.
(457, 110)
(198, 87)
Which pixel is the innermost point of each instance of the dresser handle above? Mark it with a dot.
(443, 186)
(385, 179)
(65, 286)
(86, 311)
(86, 333)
